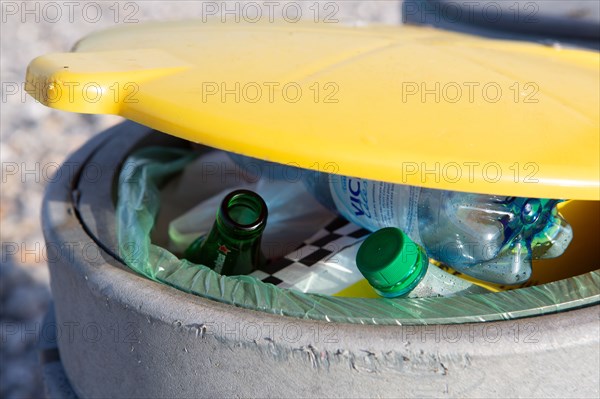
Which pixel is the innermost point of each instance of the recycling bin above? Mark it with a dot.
(122, 335)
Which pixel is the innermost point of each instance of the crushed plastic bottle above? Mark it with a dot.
(492, 238)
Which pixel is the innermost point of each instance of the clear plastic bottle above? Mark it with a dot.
(396, 267)
(492, 238)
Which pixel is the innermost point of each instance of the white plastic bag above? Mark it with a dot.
(294, 215)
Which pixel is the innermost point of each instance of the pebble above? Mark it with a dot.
(26, 303)
(24, 300)
(17, 378)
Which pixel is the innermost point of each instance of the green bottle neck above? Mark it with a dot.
(233, 245)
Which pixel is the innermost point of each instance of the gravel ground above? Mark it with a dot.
(34, 140)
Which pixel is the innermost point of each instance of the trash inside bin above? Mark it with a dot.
(138, 207)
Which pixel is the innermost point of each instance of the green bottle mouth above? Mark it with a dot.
(243, 211)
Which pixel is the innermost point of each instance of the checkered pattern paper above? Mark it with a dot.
(313, 266)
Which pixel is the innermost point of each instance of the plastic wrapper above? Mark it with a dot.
(139, 196)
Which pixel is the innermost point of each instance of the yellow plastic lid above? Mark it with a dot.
(404, 104)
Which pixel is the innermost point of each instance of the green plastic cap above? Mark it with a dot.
(391, 262)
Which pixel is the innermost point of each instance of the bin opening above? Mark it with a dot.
(142, 239)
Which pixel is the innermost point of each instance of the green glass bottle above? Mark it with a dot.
(232, 247)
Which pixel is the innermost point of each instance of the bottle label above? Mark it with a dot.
(374, 205)
(221, 257)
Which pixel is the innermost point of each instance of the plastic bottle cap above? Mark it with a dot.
(391, 262)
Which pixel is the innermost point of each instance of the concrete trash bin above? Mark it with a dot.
(121, 335)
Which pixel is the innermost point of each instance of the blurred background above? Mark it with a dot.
(34, 139)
